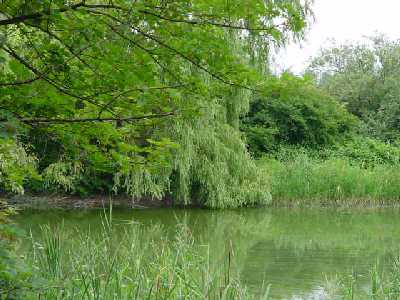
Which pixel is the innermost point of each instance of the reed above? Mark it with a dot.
(332, 181)
(131, 262)
(377, 285)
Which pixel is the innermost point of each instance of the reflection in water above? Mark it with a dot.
(293, 250)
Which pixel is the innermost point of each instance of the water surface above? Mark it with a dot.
(295, 251)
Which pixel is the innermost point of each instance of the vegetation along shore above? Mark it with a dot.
(177, 104)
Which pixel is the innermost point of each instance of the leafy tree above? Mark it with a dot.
(112, 95)
(294, 112)
(365, 77)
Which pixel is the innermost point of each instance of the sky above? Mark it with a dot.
(342, 20)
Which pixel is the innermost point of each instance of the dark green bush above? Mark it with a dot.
(294, 112)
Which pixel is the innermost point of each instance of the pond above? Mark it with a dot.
(294, 250)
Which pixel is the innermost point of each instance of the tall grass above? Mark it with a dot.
(375, 286)
(332, 181)
(131, 262)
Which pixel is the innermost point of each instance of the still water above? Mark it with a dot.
(295, 251)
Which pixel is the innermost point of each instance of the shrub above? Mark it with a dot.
(14, 273)
(294, 112)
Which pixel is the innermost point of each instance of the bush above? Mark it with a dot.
(16, 166)
(294, 112)
(14, 274)
(367, 152)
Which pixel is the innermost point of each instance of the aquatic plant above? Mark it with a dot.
(131, 262)
(333, 181)
(376, 285)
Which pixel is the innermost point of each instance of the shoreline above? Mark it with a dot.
(126, 202)
(75, 202)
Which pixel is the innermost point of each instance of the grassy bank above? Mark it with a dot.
(306, 180)
(129, 262)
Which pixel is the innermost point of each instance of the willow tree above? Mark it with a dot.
(139, 96)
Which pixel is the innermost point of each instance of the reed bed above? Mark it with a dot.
(377, 285)
(129, 262)
(332, 182)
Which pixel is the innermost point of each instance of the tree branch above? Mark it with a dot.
(44, 13)
(89, 120)
(145, 50)
(68, 47)
(116, 97)
(38, 15)
(61, 89)
(208, 22)
(190, 60)
(174, 50)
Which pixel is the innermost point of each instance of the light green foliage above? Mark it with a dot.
(62, 176)
(16, 166)
(304, 179)
(293, 111)
(365, 77)
(214, 169)
(122, 89)
(366, 152)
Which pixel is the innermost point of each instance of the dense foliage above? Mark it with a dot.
(365, 77)
(136, 97)
(14, 273)
(306, 180)
(350, 109)
(333, 139)
(170, 99)
(16, 165)
(294, 111)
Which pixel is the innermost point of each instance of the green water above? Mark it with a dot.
(295, 251)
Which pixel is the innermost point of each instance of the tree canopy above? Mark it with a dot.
(140, 97)
(365, 77)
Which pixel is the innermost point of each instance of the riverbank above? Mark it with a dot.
(69, 202)
(100, 202)
(75, 202)
(334, 182)
(302, 180)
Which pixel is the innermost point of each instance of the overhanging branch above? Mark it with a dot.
(49, 12)
(89, 120)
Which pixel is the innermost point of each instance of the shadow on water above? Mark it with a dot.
(293, 250)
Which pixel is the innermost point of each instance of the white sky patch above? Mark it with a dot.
(342, 20)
